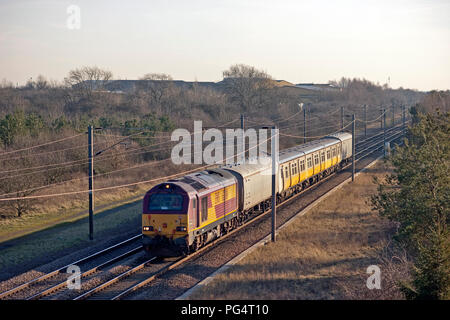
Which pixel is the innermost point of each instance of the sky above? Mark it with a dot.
(405, 43)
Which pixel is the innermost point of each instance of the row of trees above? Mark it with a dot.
(44, 110)
(417, 197)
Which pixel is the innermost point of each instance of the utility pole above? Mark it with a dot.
(342, 118)
(381, 119)
(353, 146)
(304, 124)
(91, 181)
(365, 120)
(393, 115)
(384, 132)
(404, 118)
(243, 137)
(274, 150)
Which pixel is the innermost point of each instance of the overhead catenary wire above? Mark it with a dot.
(315, 137)
(43, 144)
(86, 160)
(97, 175)
(368, 121)
(48, 152)
(83, 162)
(156, 162)
(129, 184)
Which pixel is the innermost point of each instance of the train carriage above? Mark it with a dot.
(181, 215)
(254, 184)
(303, 165)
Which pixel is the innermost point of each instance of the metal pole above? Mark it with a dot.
(393, 115)
(404, 118)
(91, 181)
(353, 146)
(384, 132)
(365, 120)
(304, 124)
(342, 118)
(274, 150)
(243, 137)
(381, 119)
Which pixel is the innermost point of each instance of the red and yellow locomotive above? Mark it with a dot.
(181, 215)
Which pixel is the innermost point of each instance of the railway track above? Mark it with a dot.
(119, 283)
(149, 275)
(56, 279)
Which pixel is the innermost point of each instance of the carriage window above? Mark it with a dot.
(334, 152)
(286, 171)
(205, 208)
(323, 156)
(165, 202)
(309, 162)
(194, 203)
(316, 159)
(328, 154)
(302, 165)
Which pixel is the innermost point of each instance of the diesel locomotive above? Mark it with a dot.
(181, 215)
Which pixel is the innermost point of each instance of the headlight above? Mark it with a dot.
(148, 228)
(182, 229)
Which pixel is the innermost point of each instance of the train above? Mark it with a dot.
(181, 215)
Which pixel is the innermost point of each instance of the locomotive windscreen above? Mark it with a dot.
(165, 202)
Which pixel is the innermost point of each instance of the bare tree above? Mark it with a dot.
(246, 85)
(41, 82)
(157, 85)
(87, 79)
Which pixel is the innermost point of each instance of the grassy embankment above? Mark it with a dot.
(322, 255)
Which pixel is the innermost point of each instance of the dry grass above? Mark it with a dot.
(323, 255)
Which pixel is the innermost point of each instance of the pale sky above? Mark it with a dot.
(298, 41)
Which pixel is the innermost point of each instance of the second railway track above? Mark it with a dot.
(172, 279)
(120, 275)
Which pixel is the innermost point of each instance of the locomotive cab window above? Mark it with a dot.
(165, 202)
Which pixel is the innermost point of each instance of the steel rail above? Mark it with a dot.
(86, 273)
(220, 239)
(55, 272)
(114, 280)
(48, 275)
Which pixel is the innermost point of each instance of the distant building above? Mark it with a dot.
(317, 86)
